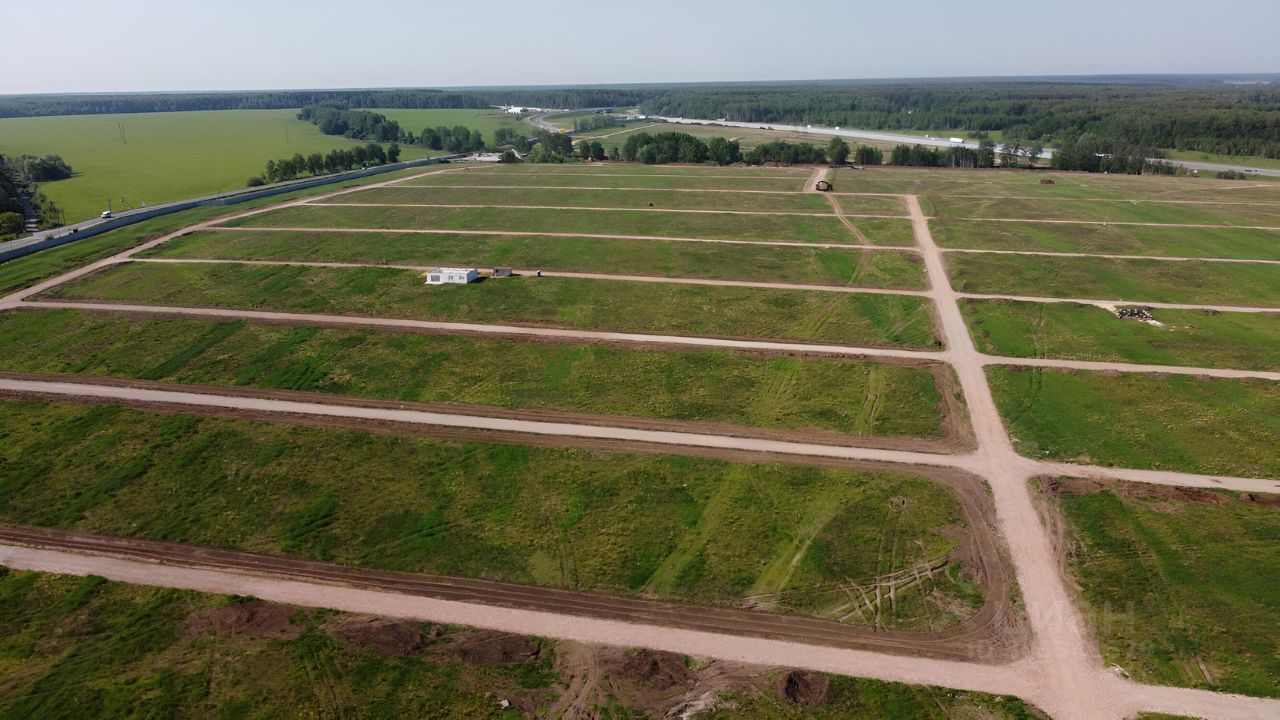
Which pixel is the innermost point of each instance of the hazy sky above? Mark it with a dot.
(126, 45)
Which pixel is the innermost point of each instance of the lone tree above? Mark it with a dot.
(837, 151)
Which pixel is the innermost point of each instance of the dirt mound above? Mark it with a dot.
(803, 688)
(1123, 488)
(1268, 499)
(660, 670)
(253, 618)
(495, 648)
(388, 638)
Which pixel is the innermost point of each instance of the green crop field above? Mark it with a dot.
(617, 176)
(1171, 212)
(1216, 426)
(72, 647)
(689, 529)
(1117, 279)
(611, 198)
(816, 266)
(719, 226)
(1198, 338)
(1233, 243)
(162, 156)
(808, 315)
(852, 397)
(1180, 583)
(485, 120)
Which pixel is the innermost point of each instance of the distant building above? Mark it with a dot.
(502, 272)
(515, 110)
(457, 276)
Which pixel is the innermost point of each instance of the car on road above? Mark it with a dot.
(105, 214)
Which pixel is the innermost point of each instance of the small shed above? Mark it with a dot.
(502, 272)
(447, 275)
(822, 186)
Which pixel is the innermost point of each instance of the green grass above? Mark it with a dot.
(1136, 281)
(717, 226)
(30, 269)
(804, 315)
(556, 517)
(1232, 243)
(164, 156)
(870, 205)
(846, 396)
(1246, 160)
(983, 185)
(486, 121)
(606, 198)
(816, 266)
(76, 647)
(1181, 592)
(1103, 210)
(73, 648)
(575, 168)
(621, 176)
(1216, 426)
(1197, 338)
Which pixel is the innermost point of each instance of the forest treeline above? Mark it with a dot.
(18, 174)
(1238, 120)
(1205, 117)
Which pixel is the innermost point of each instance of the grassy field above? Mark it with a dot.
(776, 228)
(162, 156)
(1233, 243)
(486, 120)
(1246, 160)
(1086, 332)
(1189, 282)
(611, 198)
(574, 168)
(1102, 210)
(983, 185)
(818, 266)
(747, 137)
(1216, 426)
(846, 396)
(559, 302)
(689, 529)
(623, 176)
(75, 647)
(28, 270)
(870, 205)
(1181, 586)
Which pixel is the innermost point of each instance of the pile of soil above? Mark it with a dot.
(660, 670)
(388, 638)
(253, 618)
(803, 688)
(495, 648)
(1056, 486)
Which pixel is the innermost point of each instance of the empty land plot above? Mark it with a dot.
(870, 205)
(681, 528)
(1231, 243)
(639, 169)
(848, 397)
(1190, 282)
(720, 226)
(1216, 426)
(612, 178)
(1199, 338)
(1141, 211)
(1180, 583)
(145, 652)
(136, 651)
(804, 315)
(607, 198)
(675, 259)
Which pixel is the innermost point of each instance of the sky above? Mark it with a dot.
(145, 45)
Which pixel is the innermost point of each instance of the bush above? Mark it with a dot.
(255, 181)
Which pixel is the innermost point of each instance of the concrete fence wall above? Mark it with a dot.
(60, 236)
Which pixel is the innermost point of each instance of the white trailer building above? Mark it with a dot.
(457, 276)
